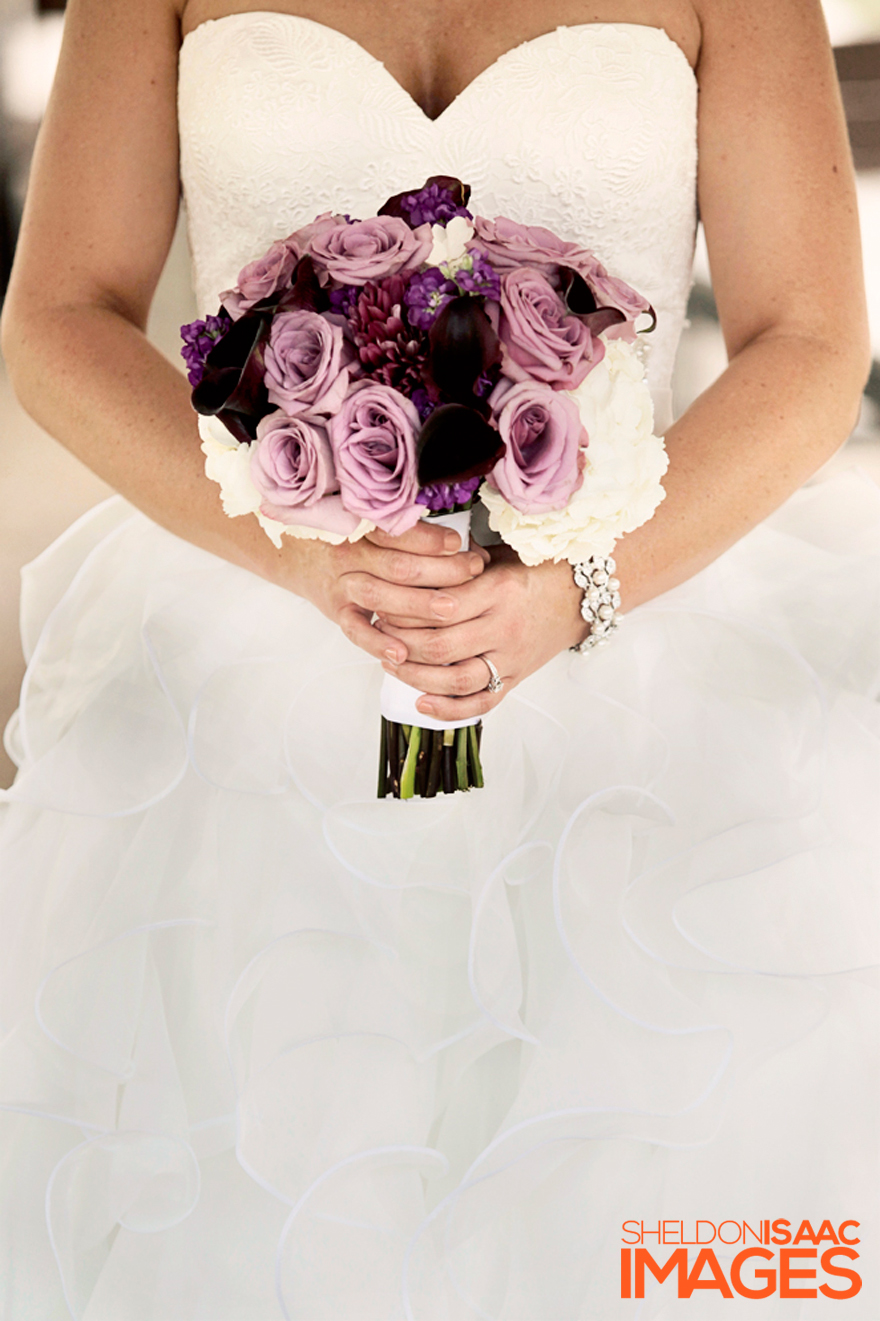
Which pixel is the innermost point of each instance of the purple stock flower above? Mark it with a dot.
(442, 497)
(199, 337)
(439, 200)
(343, 300)
(433, 205)
(426, 295)
(425, 405)
(482, 278)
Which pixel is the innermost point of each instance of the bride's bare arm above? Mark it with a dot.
(777, 198)
(99, 219)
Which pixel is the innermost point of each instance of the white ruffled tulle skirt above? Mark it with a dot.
(274, 1048)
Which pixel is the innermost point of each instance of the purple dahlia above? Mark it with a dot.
(387, 346)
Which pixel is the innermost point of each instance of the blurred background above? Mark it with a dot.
(43, 488)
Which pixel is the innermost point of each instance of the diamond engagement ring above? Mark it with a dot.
(496, 683)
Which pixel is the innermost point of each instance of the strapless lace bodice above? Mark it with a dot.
(589, 130)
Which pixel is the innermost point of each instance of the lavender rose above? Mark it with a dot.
(292, 468)
(370, 250)
(263, 277)
(541, 339)
(509, 245)
(374, 447)
(318, 229)
(304, 356)
(542, 465)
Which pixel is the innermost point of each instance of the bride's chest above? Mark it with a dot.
(435, 50)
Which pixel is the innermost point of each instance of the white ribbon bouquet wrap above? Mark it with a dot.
(397, 700)
(368, 373)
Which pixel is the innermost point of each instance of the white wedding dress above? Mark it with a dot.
(273, 1048)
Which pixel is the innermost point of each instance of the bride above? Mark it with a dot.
(274, 1048)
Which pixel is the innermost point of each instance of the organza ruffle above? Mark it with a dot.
(274, 1048)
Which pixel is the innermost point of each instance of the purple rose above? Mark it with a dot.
(304, 371)
(292, 468)
(263, 277)
(509, 245)
(374, 447)
(370, 250)
(541, 339)
(318, 229)
(542, 465)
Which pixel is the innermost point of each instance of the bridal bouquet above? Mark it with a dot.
(369, 373)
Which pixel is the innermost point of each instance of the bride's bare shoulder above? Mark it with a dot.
(759, 32)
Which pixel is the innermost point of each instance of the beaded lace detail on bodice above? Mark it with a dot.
(588, 130)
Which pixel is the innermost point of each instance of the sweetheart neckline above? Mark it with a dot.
(479, 78)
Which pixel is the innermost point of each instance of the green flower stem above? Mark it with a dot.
(461, 766)
(476, 765)
(408, 774)
(448, 763)
(420, 763)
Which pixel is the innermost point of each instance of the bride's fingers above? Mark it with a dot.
(400, 621)
(460, 680)
(380, 597)
(399, 566)
(443, 646)
(459, 708)
(355, 624)
(425, 538)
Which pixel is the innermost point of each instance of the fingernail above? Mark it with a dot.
(451, 540)
(476, 564)
(443, 606)
(426, 708)
(393, 656)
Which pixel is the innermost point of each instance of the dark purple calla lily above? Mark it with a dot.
(456, 443)
(464, 347)
(580, 299)
(232, 387)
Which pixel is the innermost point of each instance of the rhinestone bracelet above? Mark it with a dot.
(601, 599)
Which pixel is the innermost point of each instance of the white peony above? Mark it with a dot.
(228, 463)
(625, 463)
(450, 241)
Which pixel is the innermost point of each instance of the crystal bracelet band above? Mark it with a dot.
(601, 599)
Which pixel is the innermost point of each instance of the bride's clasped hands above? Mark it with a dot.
(520, 616)
(430, 611)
